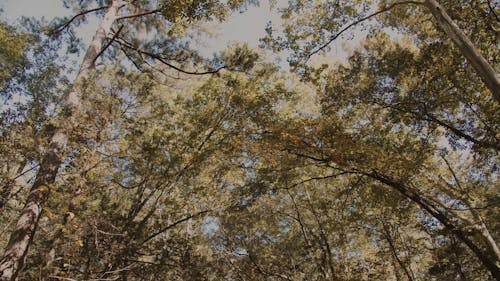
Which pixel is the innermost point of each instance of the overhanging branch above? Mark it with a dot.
(108, 44)
(388, 8)
(163, 60)
(67, 23)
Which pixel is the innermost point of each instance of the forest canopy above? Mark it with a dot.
(136, 154)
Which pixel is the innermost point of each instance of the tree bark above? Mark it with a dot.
(13, 258)
(483, 69)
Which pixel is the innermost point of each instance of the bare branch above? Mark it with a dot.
(131, 59)
(108, 44)
(163, 60)
(66, 24)
(139, 14)
(62, 278)
(25, 172)
(390, 7)
(492, 9)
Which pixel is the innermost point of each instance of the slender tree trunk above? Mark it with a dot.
(13, 259)
(483, 69)
(488, 261)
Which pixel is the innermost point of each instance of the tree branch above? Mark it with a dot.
(424, 115)
(163, 60)
(139, 14)
(131, 59)
(492, 9)
(390, 7)
(165, 228)
(107, 44)
(66, 24)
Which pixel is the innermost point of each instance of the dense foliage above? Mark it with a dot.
(152, 162)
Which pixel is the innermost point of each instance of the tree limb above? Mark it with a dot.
(139, 14)
(108, 44)
(163, 60)
(66, 24)
(390, 7)
(492, 9)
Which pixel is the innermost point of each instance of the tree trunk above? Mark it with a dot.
(13, 259)
(483, 69)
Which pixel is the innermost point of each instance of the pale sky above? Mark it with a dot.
(239, 27)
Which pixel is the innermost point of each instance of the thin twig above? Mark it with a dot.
(107, 44)
(359, 21)
(62, 278)
(23, 173)
(163, 60)
(66, 24)
(492, 9)
(139, 14)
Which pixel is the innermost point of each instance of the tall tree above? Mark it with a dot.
(17, 248)
(139, 16)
